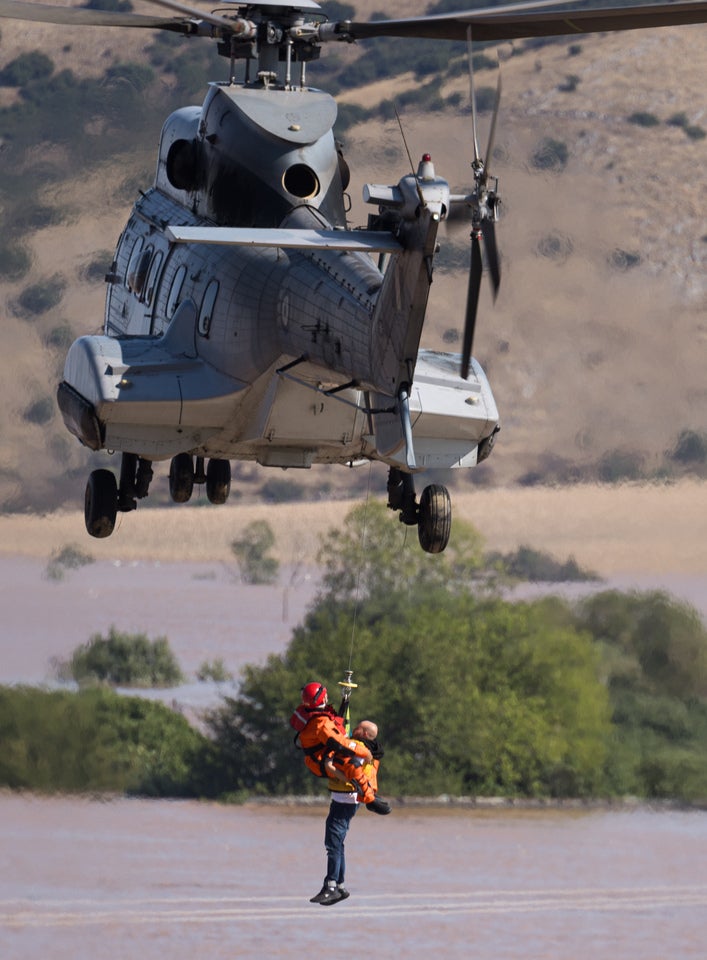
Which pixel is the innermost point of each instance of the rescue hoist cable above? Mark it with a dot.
(346, 684)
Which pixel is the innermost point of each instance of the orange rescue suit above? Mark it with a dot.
(323, 738)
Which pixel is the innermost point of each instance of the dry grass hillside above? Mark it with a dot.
(598, 339)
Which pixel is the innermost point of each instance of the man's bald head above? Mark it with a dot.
(365, 730)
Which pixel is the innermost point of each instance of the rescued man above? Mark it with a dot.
(342, 809)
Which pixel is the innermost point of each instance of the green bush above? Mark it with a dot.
(95, 740)
(251, 551)
(123, 659)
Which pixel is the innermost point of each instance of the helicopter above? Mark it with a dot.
(245, 319)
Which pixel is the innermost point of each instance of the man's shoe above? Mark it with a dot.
(343, 892)
(327, 895)
(378, 806)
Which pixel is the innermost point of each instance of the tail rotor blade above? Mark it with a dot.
(492, 132)
(472, 93)
(472, 302)
(488, 230)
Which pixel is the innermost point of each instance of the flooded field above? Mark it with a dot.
(179, 880)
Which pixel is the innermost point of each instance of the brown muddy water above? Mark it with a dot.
(92, 879)
(159, 879)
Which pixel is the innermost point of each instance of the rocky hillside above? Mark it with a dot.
(596, 346)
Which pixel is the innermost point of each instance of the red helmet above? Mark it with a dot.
(314, 695)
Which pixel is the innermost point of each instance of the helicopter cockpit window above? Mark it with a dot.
(175, 291)
(207, 308)
(152, 277)
(301, 181)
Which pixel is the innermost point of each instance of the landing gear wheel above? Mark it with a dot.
(218, 481)
(101, 503)
(181, 478)
(435, 518)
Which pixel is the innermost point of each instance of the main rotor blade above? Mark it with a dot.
(472, 303)
(507, 23)
(82, 16)
(488, 231)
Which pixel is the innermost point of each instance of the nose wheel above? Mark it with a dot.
(432, 515)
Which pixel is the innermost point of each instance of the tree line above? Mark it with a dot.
(475, 695)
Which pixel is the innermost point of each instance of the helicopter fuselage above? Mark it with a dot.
(287, 356)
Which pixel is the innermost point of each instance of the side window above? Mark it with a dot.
(138, 276)
(207, 308)
(153, 277)
(133, 262)
(175, 291)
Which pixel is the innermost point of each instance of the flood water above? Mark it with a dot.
(160, 879)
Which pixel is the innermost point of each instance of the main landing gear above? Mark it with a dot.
(432, 515)
(184, 473)
(105, 496)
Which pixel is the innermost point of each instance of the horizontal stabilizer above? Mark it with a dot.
(365, 241)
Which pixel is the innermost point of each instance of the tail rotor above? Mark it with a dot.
(484, 204)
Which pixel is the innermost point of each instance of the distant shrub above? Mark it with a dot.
(138, 75)
(36, 216)
(251, 551)
(26, 68)
(40, 412)
(451, 335)
(690, 448)
(555, 246)
(574, 49)
(60, 337)
(678, 120)
(66, 558)
(695, 133)
(42, 296)
(485, 99)
(550, 154)
(621, 464)
(336, 10)
(536, 566)
(215, 671)
(277, 490)
(623, 259)
(113, 6)
(123, 659)
(97, 267)
(643, 119)
(15, 261)
(349, 114)
(570, 83)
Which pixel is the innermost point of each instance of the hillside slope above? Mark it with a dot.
(598, 339)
